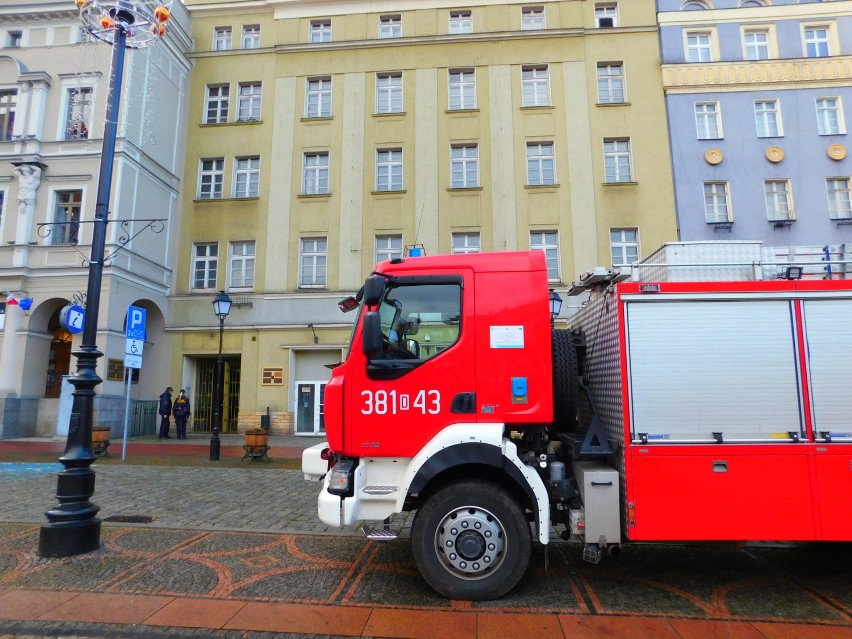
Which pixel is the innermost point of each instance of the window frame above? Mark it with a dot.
(748, 46)
(318, 257)
(251, 175)
(711, 46)
(8, 111)
(623, 244)
(67, 213)
(604, 11)
(611, 81)
(390, 164)
(808, 42)
(463, 89)
(223, 38)
(712, 199)
(704, 118)
(390, 26)
(838, 111)
(221, 104)
(551, 252)
(836, 199)
(207, 260)
(319, 30)
(247, 262)
(318, 97)
(773, 194)
(467, 247)
(317, 174)
(464, 161)
(213, 172)
(391, 250)
(537, 163)
(531, 86)
(87, 117)
(251, 36)
(390, 93)
(533, 18)
(251, 102)
(764, 117)
(461, 22)
(615, 154)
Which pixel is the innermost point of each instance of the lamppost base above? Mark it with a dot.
(67, 540)
(215, 447)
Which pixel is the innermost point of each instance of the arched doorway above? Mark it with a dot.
(59, 357)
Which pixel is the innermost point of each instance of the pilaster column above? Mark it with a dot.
(10, 366)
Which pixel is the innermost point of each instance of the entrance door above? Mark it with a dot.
(309, 410)
(202, 409)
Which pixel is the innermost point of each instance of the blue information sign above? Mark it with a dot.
(73, 318)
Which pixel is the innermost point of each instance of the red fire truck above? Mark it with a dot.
(666, 411)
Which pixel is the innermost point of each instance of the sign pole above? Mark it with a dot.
(128, 377)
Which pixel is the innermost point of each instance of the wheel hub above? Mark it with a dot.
(470, 542)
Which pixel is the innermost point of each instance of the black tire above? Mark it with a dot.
(565, 382)
(471, 541)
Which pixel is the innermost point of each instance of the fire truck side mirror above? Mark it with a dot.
(371, 334)
(374, 288)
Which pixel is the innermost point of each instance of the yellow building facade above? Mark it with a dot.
(325, 136)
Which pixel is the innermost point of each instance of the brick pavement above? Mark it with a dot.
(239, 553)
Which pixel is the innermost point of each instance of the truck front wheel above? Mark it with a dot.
(471, 541)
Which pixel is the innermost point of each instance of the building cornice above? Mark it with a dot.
(810, 11)
(738, 76)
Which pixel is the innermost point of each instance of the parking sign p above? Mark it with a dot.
(135, 323)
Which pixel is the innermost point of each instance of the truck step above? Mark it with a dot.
(379, 534)
(379, 490)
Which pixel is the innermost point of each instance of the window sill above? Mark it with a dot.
(318, 118)
(721, 226)
(463, 189)
(842, 221)
(613, 104)
(309, 196)
(204, 125)
(312, 287)
(539, 187)
(630, 183)
(389, 114)
(538, 107)
(781, 224)
(393, 192)
(224, 199)
(462, 111)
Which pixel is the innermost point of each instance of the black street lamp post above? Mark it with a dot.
(73, 527)
(221, 307)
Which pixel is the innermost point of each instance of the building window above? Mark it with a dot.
(216, 103)
(461, 22)
(7, 114)
(717, 204)
(248, 105)
(69, 205)
(242, 265)
(315, 174)
(16, 39)
(312, 262)
(210, 178)
(79, 113)
(779, 202)
(247, 177)
(389, 92)
(320, 31)
(532, 18)
(464, 166)
(624, 246)
(756, 45)
(462, 89)
(767, 118)
(389, 170)
(318, 98)
(464, 243)
(816, 42)
(390, 26)
(221, 38)
(617, 165)
(605, 15)
(535, 86)
(698, 48)
(708, 121)
(541, 167)
(205, 260)
(829, 116)
(388, 247)
(547, 241)
(611, 83)
(839, 202)
(251, 36)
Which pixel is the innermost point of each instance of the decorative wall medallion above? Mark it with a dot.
(774, 154)
(837, 151)
(713, 156)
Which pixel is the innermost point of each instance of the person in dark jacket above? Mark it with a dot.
(181, 411)
(165, 411)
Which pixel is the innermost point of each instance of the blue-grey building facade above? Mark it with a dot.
(758, 96)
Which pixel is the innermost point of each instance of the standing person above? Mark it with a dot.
(165, 411)
(181, 411)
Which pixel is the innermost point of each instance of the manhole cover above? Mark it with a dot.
(130, 519)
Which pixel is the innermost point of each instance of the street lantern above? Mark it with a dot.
(73, 527)
(555, 306)
(221, 307)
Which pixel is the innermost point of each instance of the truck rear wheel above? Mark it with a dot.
(565, 382)
(471, 541)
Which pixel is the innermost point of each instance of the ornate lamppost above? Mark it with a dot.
(555, 306)
(221, 307)
(73, 527)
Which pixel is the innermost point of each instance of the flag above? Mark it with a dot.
(26, 303)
